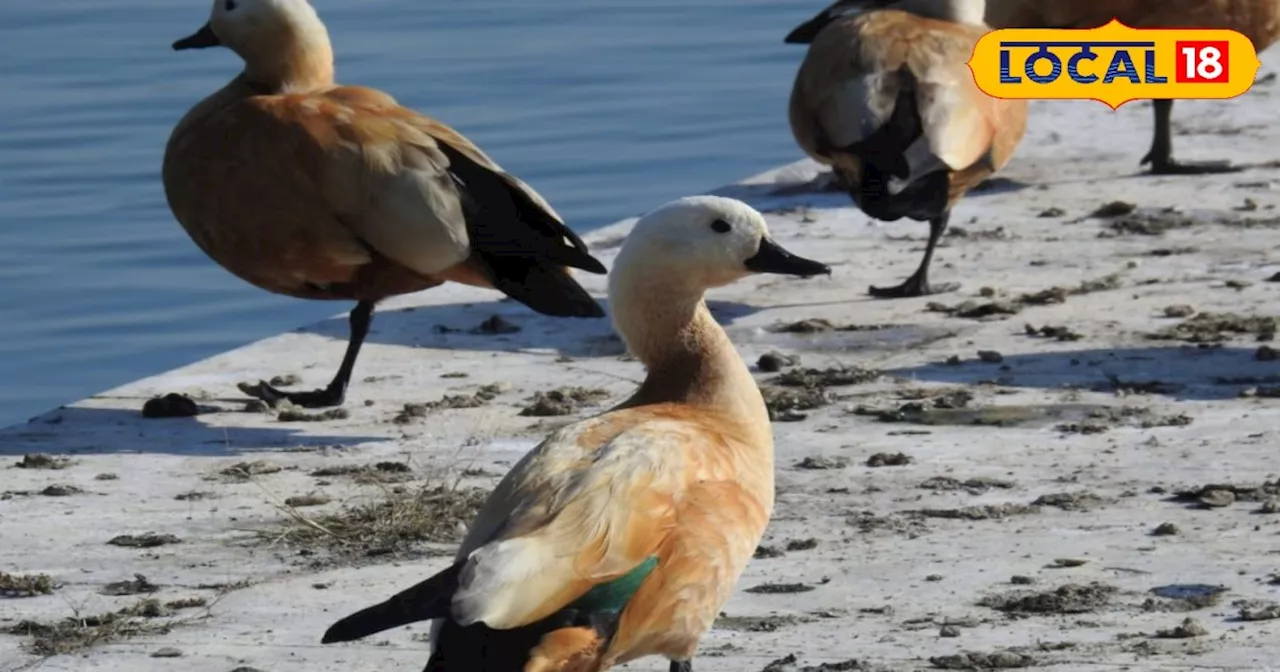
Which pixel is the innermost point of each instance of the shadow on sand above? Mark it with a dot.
(1177, 372)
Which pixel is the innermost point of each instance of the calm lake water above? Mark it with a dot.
(607, 108)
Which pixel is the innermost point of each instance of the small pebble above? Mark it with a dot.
(1266, 353)
(772, 362)
(1020, 580)
(1179, 310)
(990, 356)
(166, 652)
(949, 631)
(933, 577)
(172, 405)
(1166, 530)
(1270, 506)
(1189, 627)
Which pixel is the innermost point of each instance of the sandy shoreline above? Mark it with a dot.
(1085, 436)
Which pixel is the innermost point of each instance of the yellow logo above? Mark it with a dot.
(1114, 64)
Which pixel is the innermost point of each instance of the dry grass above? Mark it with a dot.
(30, 585)
(147, 617)
(399, 520)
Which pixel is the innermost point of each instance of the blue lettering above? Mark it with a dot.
(1005, 77)
(1122, 66)
(1043, 54)
(1073, 66)
(1152, 78)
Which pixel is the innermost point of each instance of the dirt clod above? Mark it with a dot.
(1188, 628)
(289, 413)
(830, 377)
(779, 588)
(982, 512)
(787, 404)
(1255, 611)
(1066, 599)
(171, 405)
(138, 585)
(974, 486)
(495, 325)
(300, 501)
(1113, 209)
(61, 490)
(1217, 498)
(802, 544)
(1057, 333)
(974, 310)
(43, 461)
(764, 552)
(145, 540)
(563, 401)
(1218, 327)
(1069, 501)
(817, 462)
(244, 471)
(889, 460)
(971, 660)
(476, 399)
(774, 361)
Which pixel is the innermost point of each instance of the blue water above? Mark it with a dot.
(607, 108)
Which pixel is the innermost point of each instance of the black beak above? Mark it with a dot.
(201, 39)
(805, 32)
(771, 258)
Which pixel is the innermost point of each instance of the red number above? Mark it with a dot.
(1203, 62)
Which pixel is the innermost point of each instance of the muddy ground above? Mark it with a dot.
(1068, 464)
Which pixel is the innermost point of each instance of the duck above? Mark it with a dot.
(621, 535)
(1259, 20)
(884, 97)
(314, 190)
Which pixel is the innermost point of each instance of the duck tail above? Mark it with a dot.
(424, 601)
(883, 155)
(550, 290)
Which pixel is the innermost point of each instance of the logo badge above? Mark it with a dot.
(1114, 64)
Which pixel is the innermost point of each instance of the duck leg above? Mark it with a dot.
(918, 283)
(1161, 155)
(681, 666)
(333, 395)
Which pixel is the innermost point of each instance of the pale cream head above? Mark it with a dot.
(283, 42)
(700, 242)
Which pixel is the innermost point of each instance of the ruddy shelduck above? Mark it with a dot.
(622, 535)
(314, 190)
(884, 97)
(1259, 20)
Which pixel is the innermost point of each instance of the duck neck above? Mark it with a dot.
(301, 62)
(688, 357)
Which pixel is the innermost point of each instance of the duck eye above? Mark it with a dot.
(230, 5)
(720, 226)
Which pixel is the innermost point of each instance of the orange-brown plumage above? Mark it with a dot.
(884, 96)
(659, 502)
(315, 190)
